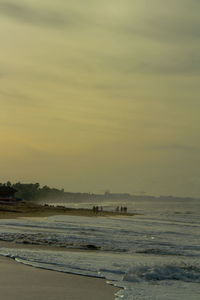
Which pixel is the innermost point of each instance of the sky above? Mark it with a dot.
(98, 95)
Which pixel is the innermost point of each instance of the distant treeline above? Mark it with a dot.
(34, 192)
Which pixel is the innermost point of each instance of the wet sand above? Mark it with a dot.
(27, 283)
(36, 210)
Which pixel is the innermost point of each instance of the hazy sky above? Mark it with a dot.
(100, 95)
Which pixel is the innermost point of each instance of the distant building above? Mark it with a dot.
(7, 195)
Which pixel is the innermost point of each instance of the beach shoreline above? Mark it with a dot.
(32, 210)
(23, 282)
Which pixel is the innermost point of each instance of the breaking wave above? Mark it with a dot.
(186, 273)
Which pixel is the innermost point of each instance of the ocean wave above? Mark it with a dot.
(134, 274)
(158, 251)
(186, 273)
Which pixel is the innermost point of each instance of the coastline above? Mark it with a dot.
(29, 283)
(23, 282)
(38, 211)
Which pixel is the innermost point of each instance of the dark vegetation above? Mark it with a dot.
(34, 192)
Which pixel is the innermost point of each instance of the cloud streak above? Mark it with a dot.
(38, 16)
(189, 149)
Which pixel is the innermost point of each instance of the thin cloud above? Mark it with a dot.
(170, 22)
(179, 147)
(185, 63)
(38, 16)
(166, 29)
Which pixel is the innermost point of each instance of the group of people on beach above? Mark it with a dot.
(96, 209)
(121, 209)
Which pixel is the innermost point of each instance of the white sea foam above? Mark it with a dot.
(186, 273)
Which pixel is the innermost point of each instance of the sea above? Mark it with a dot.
(152, 255)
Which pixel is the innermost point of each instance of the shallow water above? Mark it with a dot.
(155, 255)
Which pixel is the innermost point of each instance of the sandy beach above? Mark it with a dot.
(27, 283)
(26, 209)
